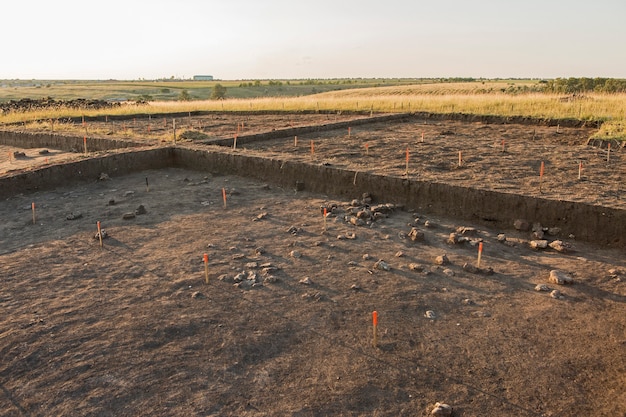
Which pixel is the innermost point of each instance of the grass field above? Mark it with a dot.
(481, 97)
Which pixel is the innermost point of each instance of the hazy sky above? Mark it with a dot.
(256, 39)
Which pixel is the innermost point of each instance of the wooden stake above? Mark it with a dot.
(99, 233)
(224, 196)
(312, 148)
(295, 141)
(460, 158)
(480, 254)
(375, 328)
(85, 143)
(422, 137)
(580, 169)
(147, 185)
(367, 149)
(235, 143)
(608, 153)
(325, 214)
(34, 215)
(206, 268)
(349, 131)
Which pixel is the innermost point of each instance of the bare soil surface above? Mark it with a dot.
(132, 328)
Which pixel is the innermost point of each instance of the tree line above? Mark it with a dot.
(582, 85)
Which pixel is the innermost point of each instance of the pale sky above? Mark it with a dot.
(287, 39)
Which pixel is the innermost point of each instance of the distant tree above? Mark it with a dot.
(219, 92)
(184, 96)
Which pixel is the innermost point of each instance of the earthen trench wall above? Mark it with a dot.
(587, 222)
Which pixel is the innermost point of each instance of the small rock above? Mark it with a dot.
(252, 265)
(140, 210)
(104, 177)
(103, 233)
(366, 257)
(44, 152)
(466, 231)
(356, 221)
(355, 287)
(470, 268)
(468, 302)
(430, 314)
(382, 265)
(128, 216)
(453, 239)
(399, 254)
(111, 202)
(223, 277)
(416, 267)
(270, 279)
(538, 244)
(416, 235)
(560, 277)
(441, 410)
(259, 251)
(521, 225)
(73, 216)
(537, 234)
(556, 294)
(501, 237)
(560, 246)
(542, 287)
(295, 254)
(351, 236)
(197, 294)
(448, 272)
(128, 193)
(239, 277)
(427, 224)
(306, 281)
(442, 260)
(554, 231)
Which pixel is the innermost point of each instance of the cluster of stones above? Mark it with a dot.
(362, 212)
(254, 274)
(541, 237)
(557, 277)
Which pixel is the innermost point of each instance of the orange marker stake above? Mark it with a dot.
(312, 148)
(349, 131)
(367, 149)
(34, 216)
(85, 143)
(480, 254)
(224, 196)
(541, 172)
(608, 153)
(375, 327)
(325, 214)
(460, 158)
(206, 268)
(99, 233)
(580, 169)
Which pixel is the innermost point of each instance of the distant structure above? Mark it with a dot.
(203, 78)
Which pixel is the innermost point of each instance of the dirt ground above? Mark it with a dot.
(132, 328)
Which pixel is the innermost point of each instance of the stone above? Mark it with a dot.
(441, 410)
(453, 239)
(140, 210)
(430, 314)
(197, 294)
(356, 221)
(470, 268)
(399, 254)
(355, 287)
(501, 238)
(128, 216)
(416, 267)
(542, 287)
(538, 244)
(252, 265)
(560, 246)
(554, 231)
(103, 233)
(556, 294)
(111, 202)
(428, 223)
(44, 152)
(74, 216)
(270, 279)
(466, 231)
(521, 225)
(306, 281)
(416, 235)
(295, 254)
(560, 278)
(351, 236)
(367, 257)
(448, 272)
(442, 260)
(104, 177)
(382, 265)
(537, 234)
